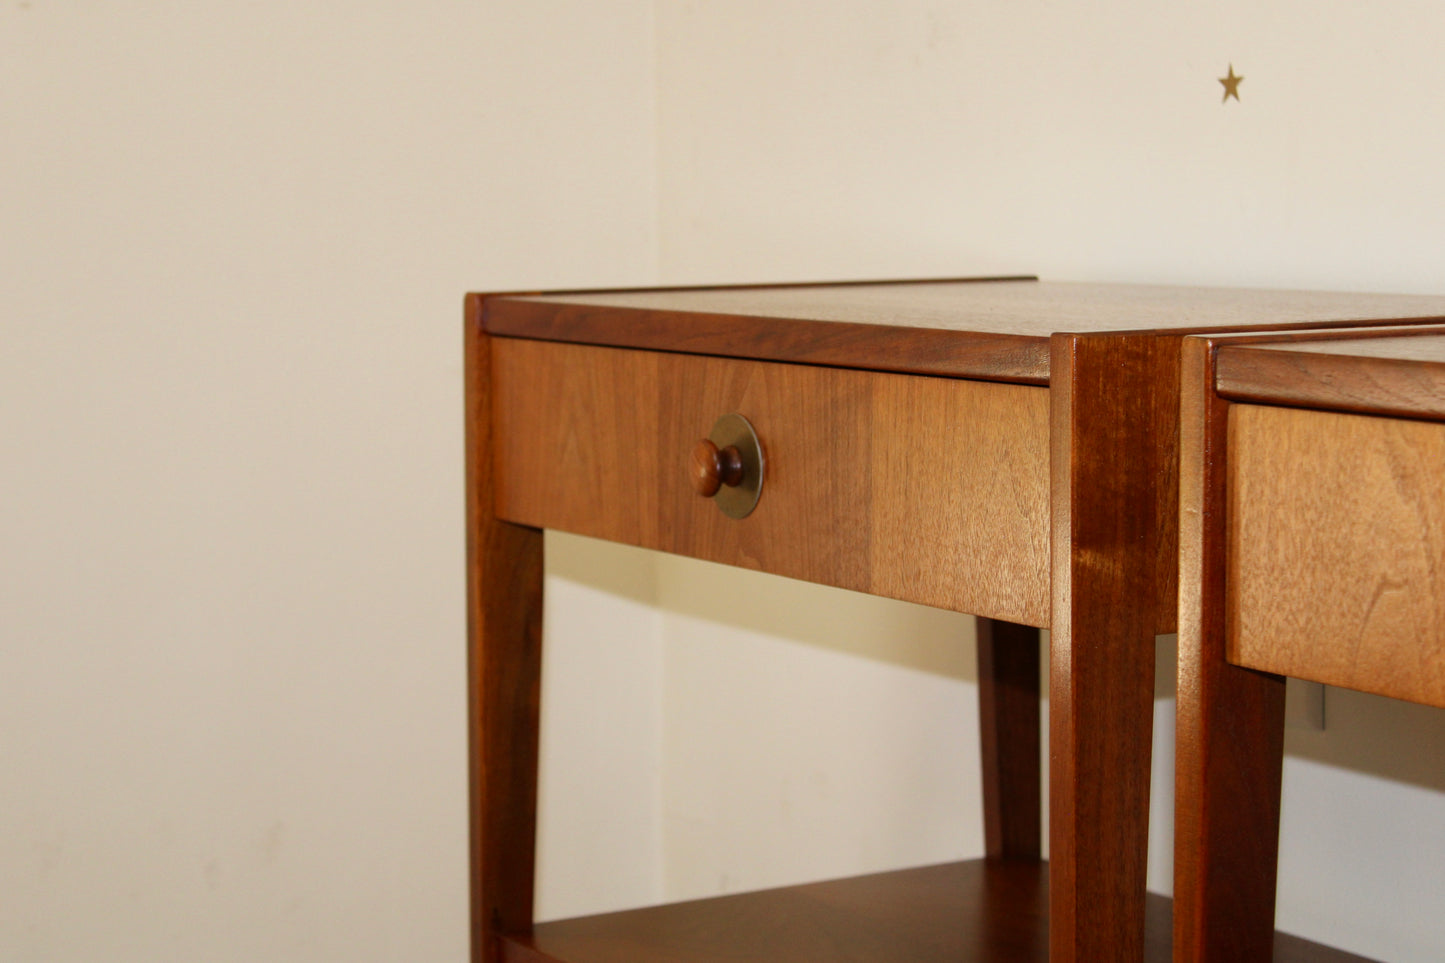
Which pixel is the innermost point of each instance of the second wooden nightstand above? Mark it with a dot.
(1313, 546)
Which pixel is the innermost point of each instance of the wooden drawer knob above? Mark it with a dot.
(727, 466)
(714, 467)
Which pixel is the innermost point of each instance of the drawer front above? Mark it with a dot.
(1336, 549)
(932, 490)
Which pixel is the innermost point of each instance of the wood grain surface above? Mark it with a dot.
(982, 911)
(1336, 547)
(1393, 372)
(1229, 734)
(932, 490)
(997, 329)
(1009, 739)
(504, 628)
(1114, 430)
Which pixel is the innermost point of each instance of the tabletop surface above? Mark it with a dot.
(981, 328)
(1423, 346)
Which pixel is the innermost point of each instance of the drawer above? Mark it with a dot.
(932, 490)
(1336, 549)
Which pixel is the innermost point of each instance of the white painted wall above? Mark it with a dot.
(800, 139)
(599, 835)
(234, 240)
(810, 732)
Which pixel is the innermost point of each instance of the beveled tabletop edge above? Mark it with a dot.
(761, 336)
(988, 328)
(842, 344)
(1392, 371)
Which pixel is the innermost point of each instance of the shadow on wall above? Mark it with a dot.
(620, 570)
(1399, 741)
(885, 630)
(899, 633)
(1394, 740)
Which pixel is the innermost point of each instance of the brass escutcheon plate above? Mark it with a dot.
(738, 501)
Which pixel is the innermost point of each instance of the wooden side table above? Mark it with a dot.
(1004, 447)
(1312, 545)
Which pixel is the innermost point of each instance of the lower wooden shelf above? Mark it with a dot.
(980, 911)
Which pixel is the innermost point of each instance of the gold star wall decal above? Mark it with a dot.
(1231, 85)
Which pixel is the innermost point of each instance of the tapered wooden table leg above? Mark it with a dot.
(1230, 732)
(1113, 420)
(504, 608)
